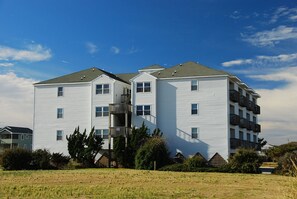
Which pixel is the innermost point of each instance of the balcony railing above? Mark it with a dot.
(243, 123)
(243, 101)
(250, 125)
(250, 105)
(237, 143)
(234, 95)
(257, 128)
(257, 109)
(120, 131)
(120, 108)
(234, 119)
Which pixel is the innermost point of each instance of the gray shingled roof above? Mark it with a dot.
(126, 76)
(84, 76)
(155, 66)
(15, 129)
(188, 69)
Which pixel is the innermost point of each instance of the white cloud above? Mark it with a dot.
(263, 60)
(278, 107)
(115, 50)
(237, 62)
(33, 53)
(271, 37)
(16, 100)
(284, 12)
(91, 47)
(133, 50)
(6, 64)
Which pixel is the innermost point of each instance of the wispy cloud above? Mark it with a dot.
(237, 62)
(284, 12)
(115, 50)
(263, 61)
(278, 115)
(91, 47)
(6, 64)
(16, 100)
(271, 37)
(33, 53)
(133, 50)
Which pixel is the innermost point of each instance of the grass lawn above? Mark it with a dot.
(125, 183)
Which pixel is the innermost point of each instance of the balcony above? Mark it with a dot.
(234, 95)
(237, 143)
(126, 98)
(257, 128)
(119, 131)
(243, 101)
(250, 105)
(257, 109)
(243, 123)
(234, 119)
(250, 125)
(120, 108)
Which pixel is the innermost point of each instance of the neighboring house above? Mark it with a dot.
(198, 109)
(15, 137)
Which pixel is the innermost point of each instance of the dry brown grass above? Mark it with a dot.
(124, 183)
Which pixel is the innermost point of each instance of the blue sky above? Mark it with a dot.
(255, 40)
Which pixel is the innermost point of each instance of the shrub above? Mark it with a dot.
(16, 159)
(245, 161)
(153, 150)
(1, 156)
(175, 167)
(41, 159)
(196, 162)
(59, 161)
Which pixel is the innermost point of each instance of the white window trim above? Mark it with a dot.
(102, 111)
(143, 109)
(195, 85)
(62, 92)
(60, 135)
(102, 90)
(61, 113)
(143, 87)
(197, 109)
(198, 131)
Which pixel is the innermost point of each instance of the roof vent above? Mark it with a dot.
(180, 64)
(84, 76)
(93, 69)
(172, 74)
(81, 78)
(159, 73)
(174, 71)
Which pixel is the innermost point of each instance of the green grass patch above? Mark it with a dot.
(125, 183)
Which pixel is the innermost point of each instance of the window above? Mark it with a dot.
(240, 91)
(143, 87)
(255, 138)
(248, 137)
(232, 109)
(102, 89)
(231, 85)
(248, 116)
(254, 119)
(103, 133)
(143, 110)
(22, 137)
(232, 133)
(194, 109)
(194, 85)
(15, 136)
(59, 135)
(247, 96)
(102, 111)
(240, 135)
(60, 91)
(240, 113)
(194, 133)
(59, 113)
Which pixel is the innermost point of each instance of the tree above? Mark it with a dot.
(154, 150)
(262, 142)
(125, 155)
(83, 147)
(245, 161)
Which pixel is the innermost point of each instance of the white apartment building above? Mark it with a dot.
(198, 109)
